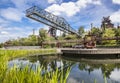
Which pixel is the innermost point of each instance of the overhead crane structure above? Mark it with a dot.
(47, 18)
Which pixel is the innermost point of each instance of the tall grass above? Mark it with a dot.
(27, 75)
(18, 53)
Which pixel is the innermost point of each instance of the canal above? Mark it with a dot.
(82, 70)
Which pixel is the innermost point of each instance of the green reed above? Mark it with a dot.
(27, 75)
(19, 53)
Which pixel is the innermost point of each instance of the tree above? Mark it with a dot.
(108, 33)
(117, 32)
(70, 36)
(96, 31)
(81, 31)
(42, 35)
(15, 42)
(1, 45)
(33, 40)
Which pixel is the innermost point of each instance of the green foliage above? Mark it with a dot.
(96, 31)
(42, 35)
(27, 75)
(50, 38)
(117, 31)
(1, 45)
(61, 37)
(70, 36)
(19, 53)
(31, 40)
(81, 31)
(108, 33)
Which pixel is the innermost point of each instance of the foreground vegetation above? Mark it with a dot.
(27, 75)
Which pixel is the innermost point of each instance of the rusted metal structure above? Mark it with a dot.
(89, 41)
(52, 32)
(106, 23)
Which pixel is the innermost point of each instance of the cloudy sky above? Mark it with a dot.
(14, 23)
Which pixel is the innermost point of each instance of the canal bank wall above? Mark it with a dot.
(92, 53)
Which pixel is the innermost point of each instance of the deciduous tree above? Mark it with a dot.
(108, 33)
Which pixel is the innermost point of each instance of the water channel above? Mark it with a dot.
(82, 70)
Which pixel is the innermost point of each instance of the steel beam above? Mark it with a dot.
(49, 19)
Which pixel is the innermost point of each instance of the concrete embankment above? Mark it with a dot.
(96, 53)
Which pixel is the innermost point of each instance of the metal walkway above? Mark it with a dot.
(49, 19)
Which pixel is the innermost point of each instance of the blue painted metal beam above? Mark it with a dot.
(49, 19)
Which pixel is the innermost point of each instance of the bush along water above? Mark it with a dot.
(26, 74)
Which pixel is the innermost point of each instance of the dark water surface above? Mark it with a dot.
(82, 70)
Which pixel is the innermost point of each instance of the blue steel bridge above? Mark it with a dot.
(55, 22)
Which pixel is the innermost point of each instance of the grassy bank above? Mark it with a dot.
(19, 53)
(27, 75)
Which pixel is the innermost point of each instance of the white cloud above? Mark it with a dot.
(116, 1)
(115, 17)
(11, 14)
(55, 9)
(72, 80)
(4, 33)
(65, 8)
(97, 2)
(115, 75)
(55, 1)
(51, 1)
(71, 8)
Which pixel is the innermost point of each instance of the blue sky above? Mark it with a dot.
(14, 23)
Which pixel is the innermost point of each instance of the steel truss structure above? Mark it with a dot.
(49, 19)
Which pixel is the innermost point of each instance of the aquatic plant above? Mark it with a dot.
(27, 75)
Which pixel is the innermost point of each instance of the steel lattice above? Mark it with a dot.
(49, 19)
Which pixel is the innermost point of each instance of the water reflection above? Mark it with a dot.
(91, 70)
(49, 63)
(82, 70)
